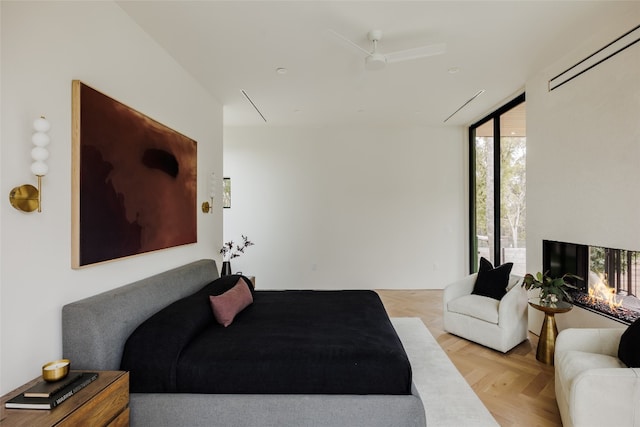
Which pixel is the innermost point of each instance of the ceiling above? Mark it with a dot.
(235, 46)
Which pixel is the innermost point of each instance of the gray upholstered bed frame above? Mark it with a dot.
(94, 331)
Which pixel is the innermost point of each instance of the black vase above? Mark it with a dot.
(226, 268)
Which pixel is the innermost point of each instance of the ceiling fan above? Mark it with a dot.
(375, 60)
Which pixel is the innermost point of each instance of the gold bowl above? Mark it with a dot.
(56, 370)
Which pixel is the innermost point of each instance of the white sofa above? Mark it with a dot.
(500, 325)
(593, 387)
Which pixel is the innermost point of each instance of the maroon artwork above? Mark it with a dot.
(137, 182)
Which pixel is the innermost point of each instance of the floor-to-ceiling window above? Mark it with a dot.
(497, 150)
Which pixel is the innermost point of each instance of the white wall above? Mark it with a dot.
(45, 45)
(583, 157)
(348, 207)
(320, 206)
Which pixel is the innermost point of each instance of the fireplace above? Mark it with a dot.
(610, 283)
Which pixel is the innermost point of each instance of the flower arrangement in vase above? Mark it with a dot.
(230, 252)
(552, 290)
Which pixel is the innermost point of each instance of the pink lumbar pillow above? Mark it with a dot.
(227, 305)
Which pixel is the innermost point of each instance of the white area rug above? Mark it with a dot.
(448, 399)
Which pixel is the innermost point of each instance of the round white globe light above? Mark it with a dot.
(40, 139)
(41, 124)
(39, 168)
(39, 154)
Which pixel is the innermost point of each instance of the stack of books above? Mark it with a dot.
(45, 395)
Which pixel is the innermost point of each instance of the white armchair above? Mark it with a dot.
(593, 387)
(500, 325)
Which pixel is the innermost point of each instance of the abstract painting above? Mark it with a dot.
(133, 179)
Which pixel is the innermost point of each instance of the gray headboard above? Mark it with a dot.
(95, 329)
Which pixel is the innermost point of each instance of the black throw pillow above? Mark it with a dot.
(629, 347)
(492, 282)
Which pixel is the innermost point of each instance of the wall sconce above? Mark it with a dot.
(28, 198)
(211, 187)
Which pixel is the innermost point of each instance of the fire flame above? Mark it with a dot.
(601, 292)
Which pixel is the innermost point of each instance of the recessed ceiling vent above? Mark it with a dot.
(480, 92)
(626, 40)
(253, 105)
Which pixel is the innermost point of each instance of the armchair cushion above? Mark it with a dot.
(575, 362)
(480, 307)
(492, 282)
(629, 348)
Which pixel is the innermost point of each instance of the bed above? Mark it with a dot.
(265, 388)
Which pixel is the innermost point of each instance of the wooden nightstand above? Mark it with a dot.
(104, 402)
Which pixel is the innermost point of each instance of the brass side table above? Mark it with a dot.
(549, 332)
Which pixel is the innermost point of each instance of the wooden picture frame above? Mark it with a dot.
(226, 192)
(134, 181)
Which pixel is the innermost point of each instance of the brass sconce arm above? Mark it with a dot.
(211, 189)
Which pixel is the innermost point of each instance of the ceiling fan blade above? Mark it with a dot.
(350, 43)
(417, 52)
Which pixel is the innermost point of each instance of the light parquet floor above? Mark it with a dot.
(515, 387)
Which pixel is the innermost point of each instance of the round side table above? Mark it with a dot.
(549, 332)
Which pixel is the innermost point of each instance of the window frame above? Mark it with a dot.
(473, 241)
